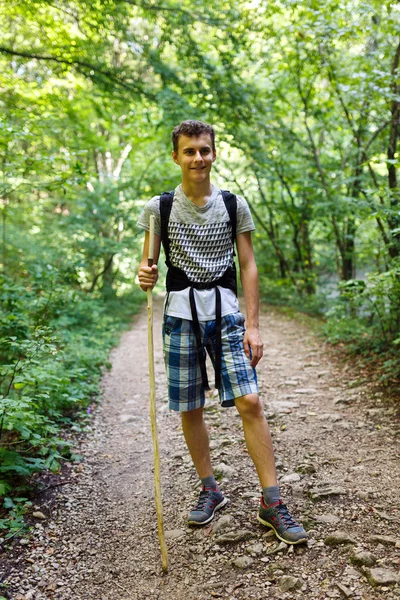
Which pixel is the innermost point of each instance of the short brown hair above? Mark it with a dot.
(192, 128)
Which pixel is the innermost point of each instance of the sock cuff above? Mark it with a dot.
(271, 494)
(210, 482)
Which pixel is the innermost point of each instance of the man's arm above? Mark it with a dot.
(249, 279)
(148, 275)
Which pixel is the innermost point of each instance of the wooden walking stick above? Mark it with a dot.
(153, 414)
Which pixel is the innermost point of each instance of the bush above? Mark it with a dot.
(53, 346)
(281, 292)
(366, 317)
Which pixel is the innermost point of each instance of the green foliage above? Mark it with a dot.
(16, 508)
(367, 319)
(49, 374)
(281, 292)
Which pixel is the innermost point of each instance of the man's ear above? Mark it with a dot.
(175, 157)
(214, 156)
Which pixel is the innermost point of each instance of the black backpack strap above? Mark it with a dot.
(166, 200)
(231, 206)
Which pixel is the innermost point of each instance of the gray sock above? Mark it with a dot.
(271, 494)
(210, 482)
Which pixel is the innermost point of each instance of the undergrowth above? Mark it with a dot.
(54, 343)
(363, 319)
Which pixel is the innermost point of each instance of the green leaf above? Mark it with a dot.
(19, 386)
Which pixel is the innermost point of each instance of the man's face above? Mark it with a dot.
(195, 157)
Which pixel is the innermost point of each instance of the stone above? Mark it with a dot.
(277, 568)
(343, 400)
(337, 538)
(255, 549)
(373, 412)
(38, 515)
(278, 548)
(345, 590)
(305, 391)
(386, 540)
(387, 517)
(127, 418)
(225, 442)
(233, 538)
(224, 470)
(363, 495)
(223, 523)
(268, 534)
(325, 492)
(306, 468)
(174, 534)
(381, 576)
(334, 417)
(363, 558)
(280, 406)
(287, 582)
(291, 382)
(298, 491)
(290, 478)
(326, 518)
(243, 562)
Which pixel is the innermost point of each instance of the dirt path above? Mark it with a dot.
(338, 460)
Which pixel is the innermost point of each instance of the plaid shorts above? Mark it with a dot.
(185, 386)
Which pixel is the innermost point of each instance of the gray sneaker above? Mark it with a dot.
(278, 518)
(204, 511)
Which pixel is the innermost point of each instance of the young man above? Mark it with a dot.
(202, 312)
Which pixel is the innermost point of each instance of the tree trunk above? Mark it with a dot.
(394, 218)
(107, 289)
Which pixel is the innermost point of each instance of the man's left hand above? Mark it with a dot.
(253, 346)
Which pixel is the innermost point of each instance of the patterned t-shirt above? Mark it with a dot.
(200, 245)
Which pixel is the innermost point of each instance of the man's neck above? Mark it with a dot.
(199, 193)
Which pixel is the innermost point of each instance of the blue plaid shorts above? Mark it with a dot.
(185, 386)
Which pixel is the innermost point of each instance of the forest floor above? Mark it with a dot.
(94, 536)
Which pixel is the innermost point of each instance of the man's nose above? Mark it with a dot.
(198, 156)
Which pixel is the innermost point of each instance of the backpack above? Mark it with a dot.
(178, 280)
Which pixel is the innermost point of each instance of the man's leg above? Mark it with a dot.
(258, 438)
(211, 498)
(196, 436)
(273, 512)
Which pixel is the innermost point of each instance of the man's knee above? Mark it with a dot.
(249, 406)
(191, 416)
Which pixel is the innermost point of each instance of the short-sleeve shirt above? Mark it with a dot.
(200, 245)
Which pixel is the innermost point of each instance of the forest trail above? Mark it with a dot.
(338, 462)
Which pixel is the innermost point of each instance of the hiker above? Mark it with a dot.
(197, 225)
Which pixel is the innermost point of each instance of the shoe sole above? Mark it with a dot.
(220, 505)
(300, 541)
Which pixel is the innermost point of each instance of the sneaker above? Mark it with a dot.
(277, 517)
(204, 511)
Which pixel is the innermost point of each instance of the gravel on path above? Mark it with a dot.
(337, 455)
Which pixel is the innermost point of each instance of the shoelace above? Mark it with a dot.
(285, 515)
(203, 499)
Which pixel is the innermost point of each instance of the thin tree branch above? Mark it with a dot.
(79, 64)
